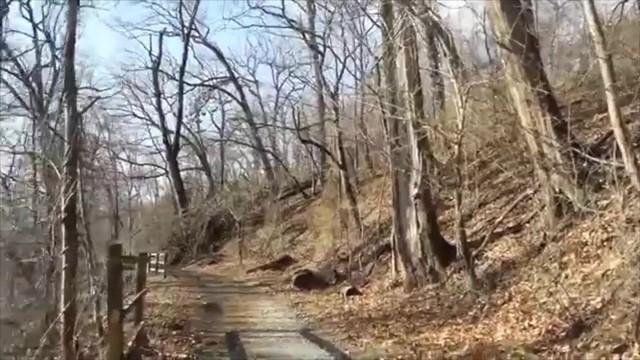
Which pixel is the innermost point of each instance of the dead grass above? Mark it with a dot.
(557, 297)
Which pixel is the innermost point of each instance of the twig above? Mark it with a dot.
(502, 216)
(43, 338)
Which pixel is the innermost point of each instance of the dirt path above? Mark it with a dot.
(241, 320)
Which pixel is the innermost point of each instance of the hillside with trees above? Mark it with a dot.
(416, 178)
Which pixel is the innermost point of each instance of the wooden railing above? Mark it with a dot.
(117, 264)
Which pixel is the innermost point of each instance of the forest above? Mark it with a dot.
(362, 179)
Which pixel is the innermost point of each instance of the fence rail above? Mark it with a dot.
(117, 263)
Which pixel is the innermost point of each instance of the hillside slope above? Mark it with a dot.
(572, 294)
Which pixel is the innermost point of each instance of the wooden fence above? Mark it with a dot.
(117, 263)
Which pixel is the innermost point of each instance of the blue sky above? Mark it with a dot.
(102, 45)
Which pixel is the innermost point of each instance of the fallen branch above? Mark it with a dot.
(138, 341)
(280, 264)
(502, 216)
(133, 302)
(43, 338)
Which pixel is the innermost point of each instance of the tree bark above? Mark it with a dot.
(172, 155)
(458, 80)
(386, 126)
(178, 184)
(346, 177)
(69, 191)
(431, 244)
(89, 250)
(609, 81)
(319, 88)
(435, 73)
(362, 126)
(223, 159)
(545, 131)
(171, 152)
(404, 216)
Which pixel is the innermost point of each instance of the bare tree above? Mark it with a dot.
(314, 41)
(242, 100)
(439, 34)
(69, 187)
(426, 231)
(31, 87)
(546, 132)
(317, 56)
(609, 81)
(172, 143)
(409, 249)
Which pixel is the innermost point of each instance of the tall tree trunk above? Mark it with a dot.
(346, 176)
(171, 151)
(458, 80)
(34, 176)
(114, 212)
(546, 132)
(432, 244)
(433, 61)
(180, 192)
(609, 81)
(317, 60)
(69, 191)
(200, 151)
(223, 159)
(404, 215)
(386, 126)
(89, 251)
(362, 126)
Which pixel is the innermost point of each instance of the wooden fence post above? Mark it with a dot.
(164, 268)
(11, 299)
(141, 283)
(115, 336)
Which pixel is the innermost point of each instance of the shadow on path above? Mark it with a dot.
(238, 321)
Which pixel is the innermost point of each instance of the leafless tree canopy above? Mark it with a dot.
(204, 118)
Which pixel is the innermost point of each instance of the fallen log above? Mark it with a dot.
(306, 280)
(280, 264)
(295, 189)
(502, 216)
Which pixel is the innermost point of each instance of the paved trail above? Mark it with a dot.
(243, 321)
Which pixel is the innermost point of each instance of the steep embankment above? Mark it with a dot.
(575, 293)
